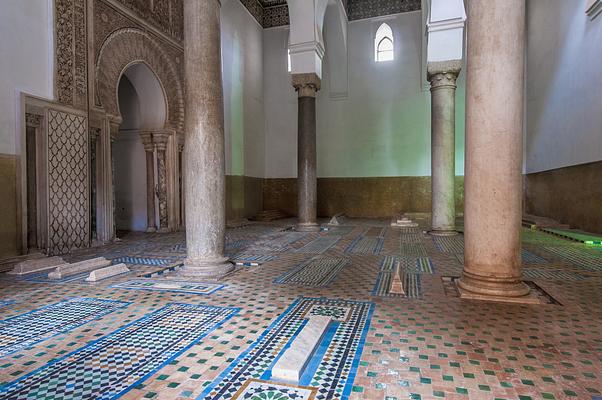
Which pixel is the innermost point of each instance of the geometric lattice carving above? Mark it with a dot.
(128, 45)
(68, 205)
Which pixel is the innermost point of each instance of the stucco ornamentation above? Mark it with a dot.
(125, 47)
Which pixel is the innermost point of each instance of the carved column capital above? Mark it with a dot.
(114, 130)
(147, 140)
(443, 74)
(307, 85)
(181, 142)
(33, 120)
(160, 140)
(94, 133)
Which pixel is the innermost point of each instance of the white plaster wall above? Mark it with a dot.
(382, 128)
(130, 182)
(153, 113)
(130, 159)
(564, 100)
(242, 69)
(26, 53)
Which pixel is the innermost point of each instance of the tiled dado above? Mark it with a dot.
(422, 346)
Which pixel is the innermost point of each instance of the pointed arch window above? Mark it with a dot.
(383, 44)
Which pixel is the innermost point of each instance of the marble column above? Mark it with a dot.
(204, 158)
(442, 76)
(147, 141)
(307, 85)
(181, 179)
(160, 140)
(494, 132)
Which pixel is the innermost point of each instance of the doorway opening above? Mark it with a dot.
(143, 108)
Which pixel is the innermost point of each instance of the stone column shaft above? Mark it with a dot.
(494, 127)
(160, 140)
(442, 76)
(147, 141)
(204, 156)
(307, 86)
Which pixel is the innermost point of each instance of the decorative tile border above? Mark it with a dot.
(4, 303)
(258, 389)
(153, 262)
(25, 330)
(572, 255)
(168, 285)
(316, 272)
(412, 250)
(411, 285)
(449, 244)
(365, 245)
(552, 275)
(251, 260)
(532, 258)
(331, 371)
(133, 353)
(319, 245)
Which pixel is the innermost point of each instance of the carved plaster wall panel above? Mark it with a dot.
(360, 9)
(68, 193)
(275, 16)
(70, 53)
(165, 15)
(270, 13)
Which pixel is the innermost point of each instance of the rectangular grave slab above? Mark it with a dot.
(36, 265)
(80, 267)
(291, 364)
(107, 272)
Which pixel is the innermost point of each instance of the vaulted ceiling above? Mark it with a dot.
(271, 13)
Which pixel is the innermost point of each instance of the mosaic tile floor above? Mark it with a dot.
(157, 343)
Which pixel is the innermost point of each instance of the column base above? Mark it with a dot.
(307, 227)
(163, 230)
(206, 268)
(151, 229)
(443, 232)
(471, 285)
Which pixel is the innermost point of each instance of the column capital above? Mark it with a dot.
(114, 131)
(307, 85)
(33, 120)
(94, 133)
(443, 73)
(181, 142)
(160, 140)
(147, 140)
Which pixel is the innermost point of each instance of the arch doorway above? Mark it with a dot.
(139, 152)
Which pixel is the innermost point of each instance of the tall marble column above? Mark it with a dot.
(160, 141)
(442, 76)
(204, 158)
(147, 141)
(307, 85)
(494, 131)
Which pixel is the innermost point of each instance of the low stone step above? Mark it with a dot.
(107, 272)
(65, 270)
(292, 363)
(36, 265)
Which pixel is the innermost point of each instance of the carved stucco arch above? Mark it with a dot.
(128, 46)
